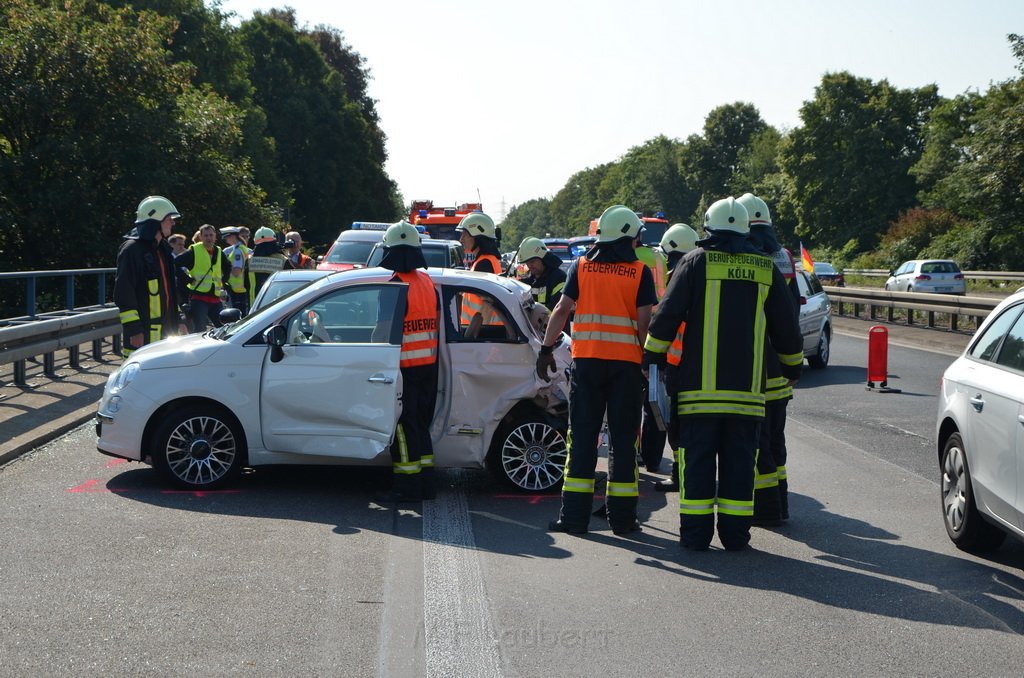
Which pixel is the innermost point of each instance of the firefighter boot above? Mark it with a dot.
(670, 484)
(405, 488)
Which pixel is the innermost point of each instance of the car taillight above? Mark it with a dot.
(923, 277)
(958, 276)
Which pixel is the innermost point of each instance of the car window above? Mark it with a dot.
(472, 315)
(1012, 352)
(905, 268)
(815, 284)
(801, 282)
(351, 252)
(940, 267)
(986, 345)
(362, 314)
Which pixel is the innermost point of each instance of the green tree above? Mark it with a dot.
(531, 218)
(324, 143)
(713, 158)
(573, 207)
(96, 115)
(849, 163)
(647, 179)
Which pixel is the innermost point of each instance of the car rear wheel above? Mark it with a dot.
(529, 453)
(198, 447)
(820, 358)
(964, 524)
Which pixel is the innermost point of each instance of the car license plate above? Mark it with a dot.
(943, 289)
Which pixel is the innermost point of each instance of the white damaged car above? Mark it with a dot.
(313, 378)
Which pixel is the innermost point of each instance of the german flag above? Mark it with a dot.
(805, 259)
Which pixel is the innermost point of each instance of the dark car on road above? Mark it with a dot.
(828, 275)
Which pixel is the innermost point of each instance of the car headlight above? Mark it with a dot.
(124, 376)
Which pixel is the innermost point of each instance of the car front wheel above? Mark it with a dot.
(964, 524)
(198, 447)
(820, 358)
(529, 453)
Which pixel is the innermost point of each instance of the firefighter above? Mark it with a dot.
(677, 241)
(267, 258)
(771, 494)
(479, 238)
(412, 452)
(730, 296)
(546, 278)
(144, 287)
(612, 293)
(205, 269)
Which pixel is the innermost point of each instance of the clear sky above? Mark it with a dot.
(510, 99)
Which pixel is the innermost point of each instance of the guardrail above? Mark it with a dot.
(874, 301)
(24, 339)
(974, 275)
(31, 277)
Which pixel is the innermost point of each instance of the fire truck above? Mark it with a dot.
(654, 228)
(440, 222)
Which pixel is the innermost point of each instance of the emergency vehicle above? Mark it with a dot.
(353, 246)
(440, 222)
(654, 228)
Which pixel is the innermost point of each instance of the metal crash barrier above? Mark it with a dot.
(22, 339)
(882, 305)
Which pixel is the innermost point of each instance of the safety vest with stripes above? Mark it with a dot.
(205, 272)
(606, 315)
(474, 303)
(419, 331)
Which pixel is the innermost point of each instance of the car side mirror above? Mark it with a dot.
(230, 315)
(892, 272)
(275, 337)
(803, 300)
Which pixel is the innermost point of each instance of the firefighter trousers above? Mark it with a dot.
(731, 444)
(412, 451)
(597, 386)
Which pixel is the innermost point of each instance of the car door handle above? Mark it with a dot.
(380, 379)
(978, 402)
(1020, 418)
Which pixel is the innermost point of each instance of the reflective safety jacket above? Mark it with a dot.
(238, 255)
(547, 289)
(206, 271)
(473, 303)
(145, 291)
(419, 330)
(656, 261)
(605, 325)
(732, 304)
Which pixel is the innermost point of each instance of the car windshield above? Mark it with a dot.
(278, 291)
(351, 252)
(437, 257)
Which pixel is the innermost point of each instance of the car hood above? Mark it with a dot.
(176, 352)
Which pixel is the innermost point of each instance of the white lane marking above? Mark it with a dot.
(401, 642)
(459, 634)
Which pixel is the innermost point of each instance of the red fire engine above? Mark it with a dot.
(440, 222)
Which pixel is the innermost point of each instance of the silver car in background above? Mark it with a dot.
(934, 276)
(980, 433)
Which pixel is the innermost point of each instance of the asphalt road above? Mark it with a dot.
(104, 571)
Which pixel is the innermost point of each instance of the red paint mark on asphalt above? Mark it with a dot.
(115, 462)
(90, 486)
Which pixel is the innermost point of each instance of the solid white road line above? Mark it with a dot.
(460, 638)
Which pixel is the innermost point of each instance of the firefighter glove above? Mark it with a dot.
(546, 363)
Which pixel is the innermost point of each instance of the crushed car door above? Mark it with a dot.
(336, 390)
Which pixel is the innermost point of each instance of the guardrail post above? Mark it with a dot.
(103, 289)
(97, 349)
(953, 321)
(116, 344)
(910, 316)
(931, 318)
(19, 372)
(73, 356)
(891, 313)
(69, 291)
(30, 297)
(48, 364)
